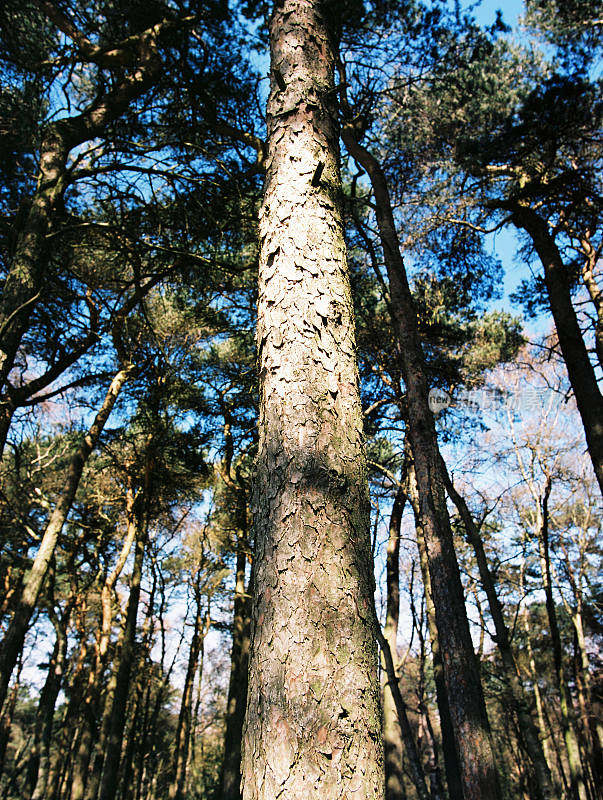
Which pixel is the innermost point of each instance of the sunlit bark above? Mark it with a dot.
(313, 723)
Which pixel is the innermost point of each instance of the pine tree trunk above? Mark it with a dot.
(68, 724)
(577, 786)
(110, 774)
(8, 712)
(96, 768)
(131, 740)
(38, 773)
(465, 695)
(144, 743)
(514, 689)
(183, 729)
(592, 724)
(313, 722)
(14, 638)
(412, 751)
(451, 759)
(237, 688)
(579, 368)
(92, 701)
(392, 737)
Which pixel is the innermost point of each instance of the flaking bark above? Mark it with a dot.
(313, 723)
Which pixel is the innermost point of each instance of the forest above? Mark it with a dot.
(301, 410)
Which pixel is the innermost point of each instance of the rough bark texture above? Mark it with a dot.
(579, 368)
(313, 723)
(13, 640)
(514, 689)
(465, 695)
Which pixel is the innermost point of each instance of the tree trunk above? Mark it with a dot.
(183, 729)
(67, 730)
(592, 724)
(416, 768)
(514, 689)
(237, 688)
(91, 702)
(40, 764)
(577, 786)
(109, 782)
(579, 368)
(451, 759)
(313, 722)
(24, 283)
(392, 738)
(397, 730)
(144, 743)
(96, 769)
(8, 711)
(465, 695)
(14, 638)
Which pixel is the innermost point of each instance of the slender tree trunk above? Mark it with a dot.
(144, 742)
(577, 786)
(596, 295)
(14, 638)
(313, 722)
(183, 729)
(465, 695)
(22, 287)
(579, 368)
(96, 769)
(514, 689)
(392, 736)
(8, 711)
(425, 726)
(132, 738)
(91, 702)
(68, 726)
(109, 782)
(40, 765)
(545, 734)
(81, 761)
(237, 688)
(400, 731)
(592, 724)
(416, 768)
(451, 759)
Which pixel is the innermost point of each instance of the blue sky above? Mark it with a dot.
(504, 244)
(486, 12)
